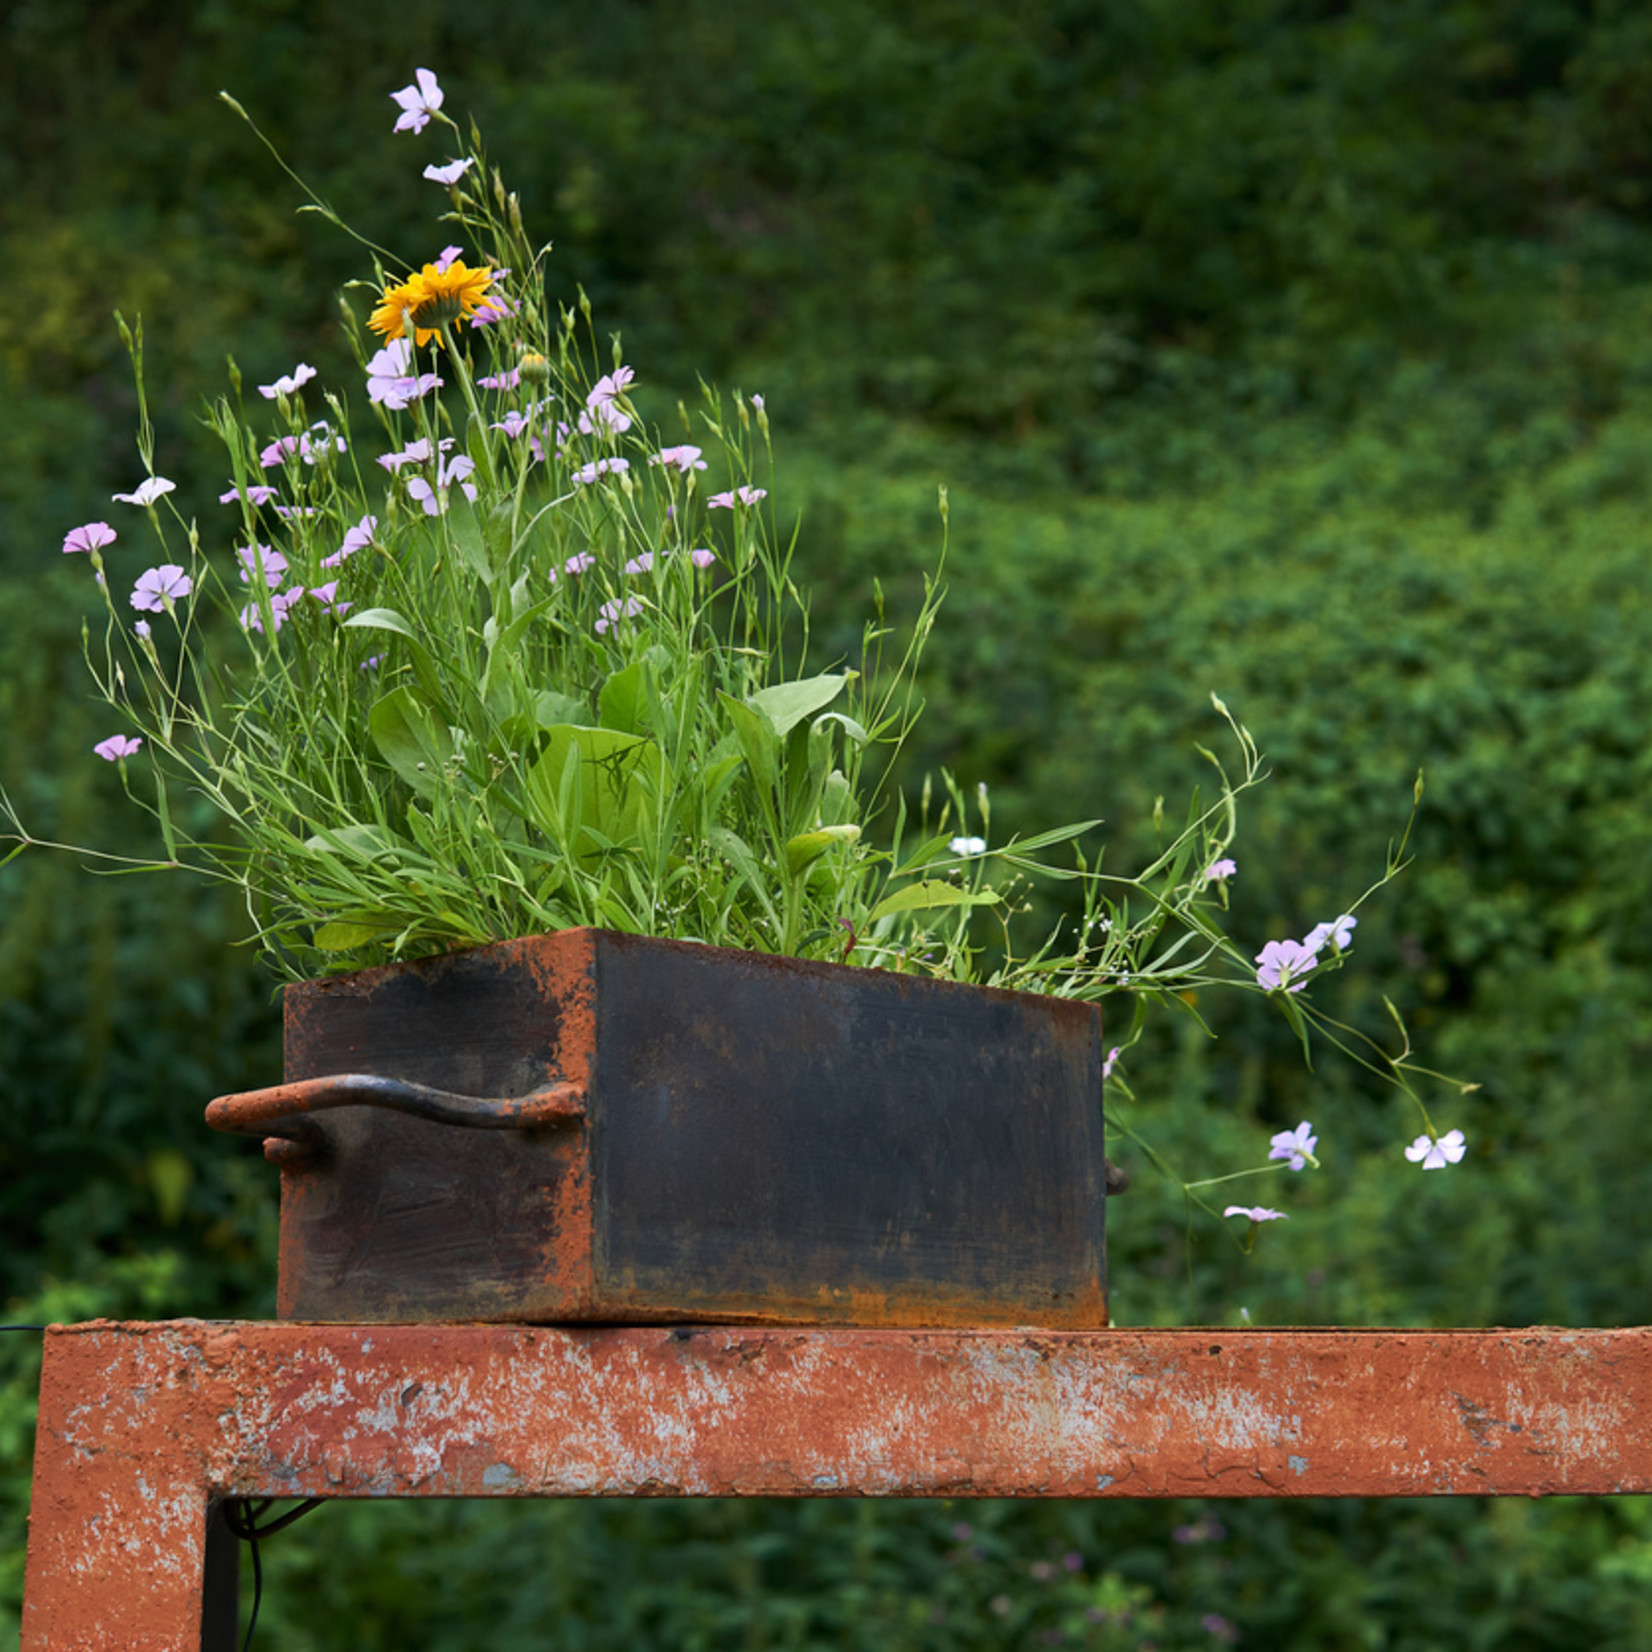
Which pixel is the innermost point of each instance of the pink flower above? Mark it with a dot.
(447, 255)
(451, 173)
(415, 453)
(259, 493)
(148, 491)
(158, 588)
(390, 379)
(288, 382)
(418, 102)
(272, 565)
(1284, 964)
(90, 536)
(327, 596)
(253, 620)
(1219, 871)
(685, 458)
(507, 380)
(495, 307)
(743, 496)
(613, 612)
(587, 474)
(356, 539)
(609, 386)
(640, 564)
(1257, 1213)
(1436, 1152)
(1111, 1062)
(1340, 934)
(702, 558)
(117, 746)
(578, 564)
(1295, 1145)
(448, 472)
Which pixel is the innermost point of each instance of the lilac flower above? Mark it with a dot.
(587, 474)
(1214, 1623)
(640, 564)
(604, 419)
(356, 539)
(148, 491)
(252, 618)
(610, 386)
(508, 380)
(140, 629)
(271, 565)
(117, 746)
(1295, 1145)
(1436, 1152)
(968, 846)
(743, 496)
(288, 382)
(418, 102)
(1284, 964)
(1219, 871)
(495, 307)
(158, 588)
(415, 453)
(90, 536)
(288, 512)
(702, 558)
(1340, 934)
(260, 493)
(685, 458)
(1257, 1213)
(390, 378)
(579, 563)
(451, 173)
(284, 447)
(513, 424)
(757, 402)
(448, 472)
(1111, 1062)
(613, 612)
(447, 255)
(327, 596)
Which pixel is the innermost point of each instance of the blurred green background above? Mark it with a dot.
(1297, 350)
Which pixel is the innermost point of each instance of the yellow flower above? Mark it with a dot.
(432, 299)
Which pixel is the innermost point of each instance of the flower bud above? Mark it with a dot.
(534, 368)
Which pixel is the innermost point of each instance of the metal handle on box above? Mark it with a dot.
(283, 1113)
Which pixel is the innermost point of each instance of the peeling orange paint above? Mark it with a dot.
(142, 1427)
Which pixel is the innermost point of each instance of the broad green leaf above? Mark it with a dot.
(467, 535)
(597, 780)
(413, 742)
(787, 704)
(624, 699)
(759, 744)
(931, 893)
(807, 847)
(343, 933)
(370, 841)
(551, 708)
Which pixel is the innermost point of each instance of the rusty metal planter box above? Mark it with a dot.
(588, 1126)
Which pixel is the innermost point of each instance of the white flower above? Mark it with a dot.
(449, 174)
(1436, 1152)
(288, 382)
(968, 846)
(149, 490)
(418, 102)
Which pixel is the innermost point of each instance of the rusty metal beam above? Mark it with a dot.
(144, 1427)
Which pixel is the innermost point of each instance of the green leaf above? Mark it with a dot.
(624, 699)
(551, 708)
(929, 894)
(807, 847)
(759, 743)
(413, 742)
(344, 933)
(467, 535)
(785, 705)
(381, 619)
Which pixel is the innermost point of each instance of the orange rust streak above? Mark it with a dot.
(141, 1425)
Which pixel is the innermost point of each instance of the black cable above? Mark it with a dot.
(24, 1327)
(241, 1517)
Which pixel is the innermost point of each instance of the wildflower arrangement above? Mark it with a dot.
(478, 651)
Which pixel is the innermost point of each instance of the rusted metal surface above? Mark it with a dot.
(701, 1135)
(142, 1427)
